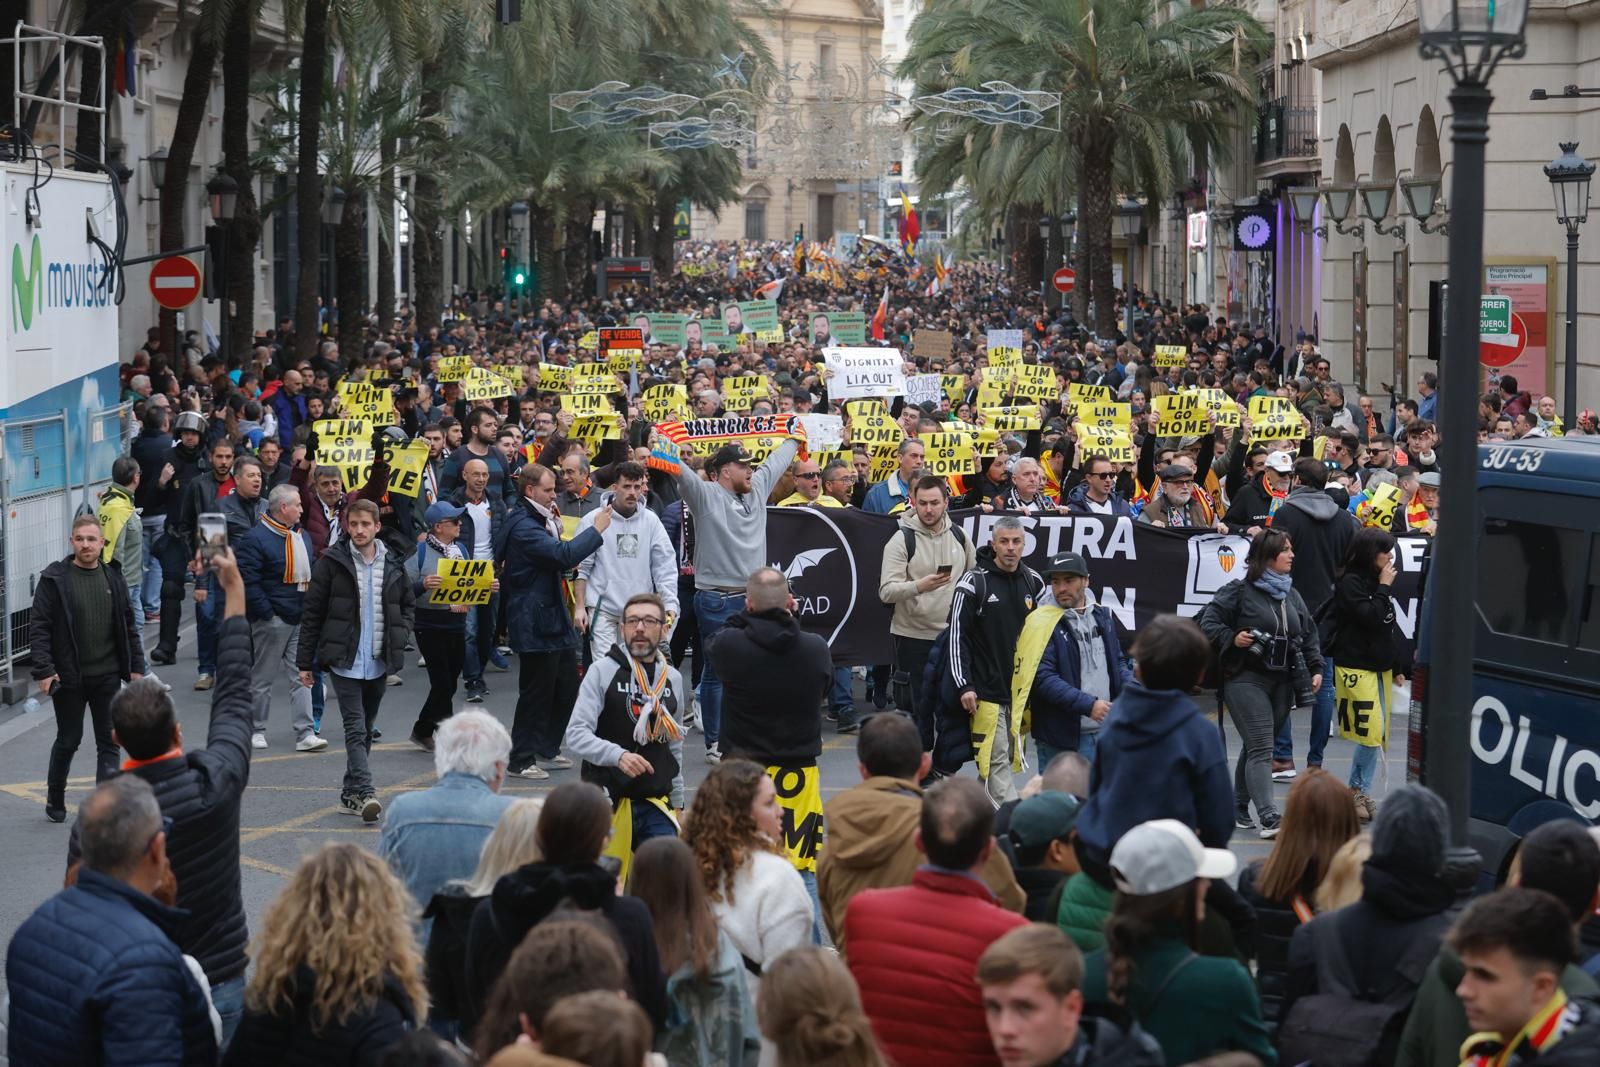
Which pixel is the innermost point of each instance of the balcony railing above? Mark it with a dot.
(1286, 130)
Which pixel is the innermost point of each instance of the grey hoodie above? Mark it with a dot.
(730, 532)
(1094, 672)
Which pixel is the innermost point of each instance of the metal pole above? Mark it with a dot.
(222, 291)
(1570, 406)
(1452, 579)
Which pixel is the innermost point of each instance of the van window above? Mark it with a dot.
(1522, 590)
(1589, 625)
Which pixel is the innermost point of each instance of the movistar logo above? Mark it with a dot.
(27, 286)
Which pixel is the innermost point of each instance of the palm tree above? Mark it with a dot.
(1130, 73)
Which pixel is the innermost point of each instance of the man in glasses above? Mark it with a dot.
(808, 487)
(626, 728)
(1096, 494)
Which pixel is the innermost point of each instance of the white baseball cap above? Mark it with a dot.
(1281, 462)
(1164, 854)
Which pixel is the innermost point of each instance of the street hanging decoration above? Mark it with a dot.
(996, 103)
(728, 125)
(614, 103)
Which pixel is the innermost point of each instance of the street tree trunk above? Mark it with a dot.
(386, 234)
(351, 277)
(244, 233)
(427, 279)
(1082, 261)
(1097, 179)
(180, 156)
(99, 20)
(547, 253)
(308, 187)
(663, 252)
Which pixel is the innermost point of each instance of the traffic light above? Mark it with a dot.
(519, 276)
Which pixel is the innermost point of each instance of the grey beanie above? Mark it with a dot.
(1411, 832)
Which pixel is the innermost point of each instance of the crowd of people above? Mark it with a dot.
(446, 497)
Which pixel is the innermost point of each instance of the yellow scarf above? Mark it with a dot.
(1487, 1049)
(1030, 650)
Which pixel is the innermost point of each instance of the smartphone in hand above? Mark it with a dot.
(213, 528)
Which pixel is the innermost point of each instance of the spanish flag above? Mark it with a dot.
(910, 229)
(880, 318)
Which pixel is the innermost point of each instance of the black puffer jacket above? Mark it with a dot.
(199, 791)
(1360, 631)
(774, 678)
(525, 898)
(451, 911)
(330, 629)
(286, 1039)
(1276, 922)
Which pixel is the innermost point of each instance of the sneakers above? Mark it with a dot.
(713, 753)
(1269, 827)
(55, 814)
(163, 658)
(1366, 807)
(421, 661)
(152, 616)
(849, 725)
(308, 743)
(394, 679)
(365, 805)
(502, 650)
(424, 743)
(205, 681)
(1283, 770)
(476, 692)
(154, 677)
(498, 662)
(376, 733)
(1242, 819)
(258, 740)
(534, 771)
(558, 762)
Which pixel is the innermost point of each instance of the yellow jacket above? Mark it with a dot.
(797, 500)
(116, 512)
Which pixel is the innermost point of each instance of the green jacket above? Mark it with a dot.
(1437, 1025)
(1085, 907)
(1209, 1006)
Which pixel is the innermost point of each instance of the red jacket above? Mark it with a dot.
(914, 953)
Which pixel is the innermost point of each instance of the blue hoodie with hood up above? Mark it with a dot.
(1158, 758)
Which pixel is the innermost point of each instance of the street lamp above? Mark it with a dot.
(333, 206)
(1340, 198)
(1376, 197)
(1304, 200)
(1470, 37)
(1131, 217)
(224, 194)
(1421, 194)
(158, 167)
(1569, 175)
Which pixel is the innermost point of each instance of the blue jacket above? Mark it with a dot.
(537, 619)
(1077, 502)
(433, 836)
(1058, 703)
(881, 498)
(261, 560)
(1157, 758)
(95, 978)
(290, 411)
(423, 562)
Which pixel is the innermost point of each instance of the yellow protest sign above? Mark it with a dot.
(1363, 699)
(856, 409)
(992, 391)
(1182, 415)
(1013, 423)
(463, 581)
(762, 447)
(590, 340)
(511, 372)
(454, 368)
(945, 454)
(481, 385)
(585, 403)
(405, 468)
(362, 400)
(1218, 401)
(773, 336)
(661, 403)
(1081, 393)
(1171, 356)
(740, 393)
(1106, 418)
(954, 386)
(799, 792)
(1116, 447)
(1380, 508)
(1003, 357)
(594, 378)
(1274, 418)
(884, 463)
(876, 431)
(593, 429)
(554, 378)
(343, 450)
(360, 429)
(1036, 383)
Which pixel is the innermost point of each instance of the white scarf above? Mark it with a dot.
(551, 522)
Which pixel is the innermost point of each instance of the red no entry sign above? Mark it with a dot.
(1064, 279)
(175, 282)
(1498, 355)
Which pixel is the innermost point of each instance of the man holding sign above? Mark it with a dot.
(440, 628)
(358, 617)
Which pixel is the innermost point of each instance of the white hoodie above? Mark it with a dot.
(635, 556)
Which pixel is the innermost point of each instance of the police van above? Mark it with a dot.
(1536, 669)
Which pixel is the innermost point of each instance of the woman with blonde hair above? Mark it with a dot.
(338, 977)
(810, 1010)
(734, 827)
(1341, 886)
(513, 843)
(1318, 819)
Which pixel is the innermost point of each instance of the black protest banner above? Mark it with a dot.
(833, 558)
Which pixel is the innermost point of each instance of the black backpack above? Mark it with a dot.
(911, 540)
(900, 681)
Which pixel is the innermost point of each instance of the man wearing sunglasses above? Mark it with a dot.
(807, 477)
(1097, 494)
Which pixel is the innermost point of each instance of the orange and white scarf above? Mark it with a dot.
(296, 561)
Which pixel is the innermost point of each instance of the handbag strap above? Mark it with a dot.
(1155, 997)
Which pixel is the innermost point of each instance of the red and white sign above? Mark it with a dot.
(1064, 279)
(175, 282)
(1496, 355)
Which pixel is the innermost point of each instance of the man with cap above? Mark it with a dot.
(441, 629)
(1259, 499)
(1176, 505)
(1194, 1006)
(1422, 513)
(730, 544)
(1038, 842)
(1070, 663)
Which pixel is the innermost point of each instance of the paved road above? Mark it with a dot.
(290, 807)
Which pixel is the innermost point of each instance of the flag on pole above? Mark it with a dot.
(910, 229)
(880, 318)
(773, 290)
(940, 271)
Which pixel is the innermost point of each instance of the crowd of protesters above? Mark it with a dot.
(1091, 914)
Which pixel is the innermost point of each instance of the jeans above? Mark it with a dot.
(150, 577)
(1321, 723)
(1258, 702)
(650, 821)
(843, 698)
(687, 630)
(1087, 740)
(228, 998)
(547, 687)
(275, 645)
(480, 641)
(1364, 762)
(205, 624)
(69, 702)
(358, 707)
(911, 656)
(445, 651)
(810, 879)
(712, 610)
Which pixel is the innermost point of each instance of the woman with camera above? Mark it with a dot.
(1271, 663)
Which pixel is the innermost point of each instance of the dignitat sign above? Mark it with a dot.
(861, 373)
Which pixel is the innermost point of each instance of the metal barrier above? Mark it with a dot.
(38, 502)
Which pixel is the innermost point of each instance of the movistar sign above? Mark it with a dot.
(60, 285)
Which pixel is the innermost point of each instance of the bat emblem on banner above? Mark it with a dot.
(804, 562)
